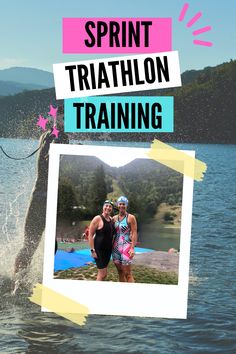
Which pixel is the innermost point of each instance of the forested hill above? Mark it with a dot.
(12, 88)
(205, 109)
(86, 181)
(19, 113)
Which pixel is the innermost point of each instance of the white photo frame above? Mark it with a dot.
(111, 298)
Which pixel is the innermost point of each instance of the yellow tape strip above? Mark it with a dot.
(60, 304)
(177, 160)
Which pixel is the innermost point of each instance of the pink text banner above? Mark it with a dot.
(116, 35)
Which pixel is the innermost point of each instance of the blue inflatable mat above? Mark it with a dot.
(137, 250)
(142, 250)
(65, 260)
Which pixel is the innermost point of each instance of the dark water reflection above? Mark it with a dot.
(160, 238)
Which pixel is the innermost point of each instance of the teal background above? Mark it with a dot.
(167, 113)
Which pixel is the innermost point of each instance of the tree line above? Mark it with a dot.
(81, 192)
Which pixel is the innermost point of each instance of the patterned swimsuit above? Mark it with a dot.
(122, 242)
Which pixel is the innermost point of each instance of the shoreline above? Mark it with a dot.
(151, 267)
(160, 260)
(169, 216)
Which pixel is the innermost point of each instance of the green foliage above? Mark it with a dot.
(168, 216)
(145, 183)
(98, 190)
(66, 199)
(141, 274)
(89, 184)
(109, 184)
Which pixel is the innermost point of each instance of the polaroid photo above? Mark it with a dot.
(154, 282)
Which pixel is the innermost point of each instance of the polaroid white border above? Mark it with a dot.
(114, 298)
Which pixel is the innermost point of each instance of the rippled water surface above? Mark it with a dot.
(211, 324)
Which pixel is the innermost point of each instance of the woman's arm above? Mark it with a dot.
(92, 230)
(133, 226)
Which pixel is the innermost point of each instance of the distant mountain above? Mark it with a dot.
(72, 165)
(11, 88)
(28, 76)
(82, 164)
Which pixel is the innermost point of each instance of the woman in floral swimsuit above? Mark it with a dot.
(124, 241)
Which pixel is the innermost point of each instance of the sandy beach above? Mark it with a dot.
(162, 261)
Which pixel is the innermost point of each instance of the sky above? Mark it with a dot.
(31, 31)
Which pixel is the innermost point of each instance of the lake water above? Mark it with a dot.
(211, 324)
(158, 237)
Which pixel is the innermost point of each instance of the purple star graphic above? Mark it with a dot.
(53, 111)
(42, 122)
(55, 132)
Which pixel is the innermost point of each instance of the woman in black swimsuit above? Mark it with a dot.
(101, 245)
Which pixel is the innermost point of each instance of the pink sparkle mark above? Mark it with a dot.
(183, 12)
(42, 122)
(53, 111)
(55, 132)
(204, 43)
(194, 19)
(201, 30)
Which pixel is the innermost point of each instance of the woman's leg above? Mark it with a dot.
(121, 273)
(128, 273)
(102, 274)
